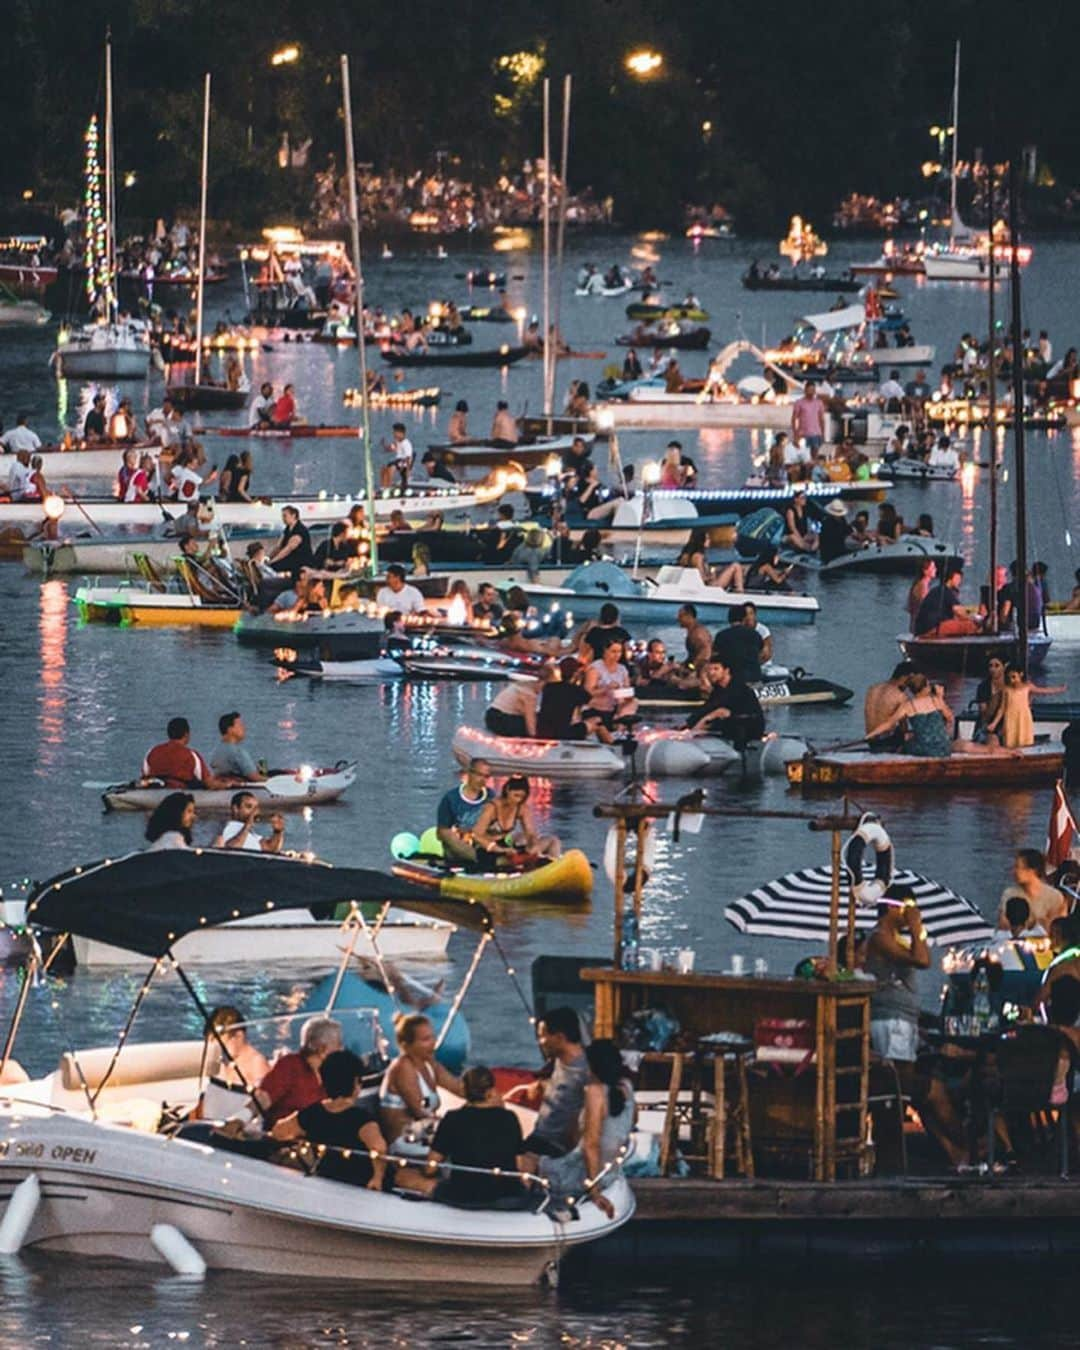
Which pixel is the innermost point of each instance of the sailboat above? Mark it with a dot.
(107, 348)
(204, 394)
(966, 255)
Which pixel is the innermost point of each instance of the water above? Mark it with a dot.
(83, 704)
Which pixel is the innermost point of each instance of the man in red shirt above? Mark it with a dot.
(284, 410)
(176, 763)
(294, 1082)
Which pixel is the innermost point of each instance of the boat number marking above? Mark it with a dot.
(772, 691)
(30, 1148)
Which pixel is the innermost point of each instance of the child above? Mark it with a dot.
(1013, 721)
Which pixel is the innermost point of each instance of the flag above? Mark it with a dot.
(1062, 828)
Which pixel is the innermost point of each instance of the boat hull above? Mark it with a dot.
(150, 609)
(103, 364)
(105, 1187)
(969, 655)
(465, 356)
(280, 792)
(568, 878)
(565, 760)
(862, 768)
(773, 606)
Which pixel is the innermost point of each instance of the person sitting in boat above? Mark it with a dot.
(186, 482)
(233, 1067)
(482, 1134)
(943, 456)
(674, 379)
(767, 572)
(262, 407)
(882, 701)
(607, 1121)
(239, 830)
(1012, 723)
(20, 483)
(170, 823)
(506, 828)
(504, 432)
(694, 555)
(293, 552)
(513, 710)
(235, 379)
(20, 437)
(607, 682)
(232, 760)
(284, 412)
(397, 593)
(835, 538)
(731, 708)
(409, 1091)
(671, 470)
(739, 645)
(928, 720)
(486, 608)
(920, 589)
(698, 641)
(891, 393)
(890, 525)
(631, 368)
(94, 423)
(558, 1095)
(294, 1080)
(653, 670)
(563, 713)
(176, 764)
(798, 534)
(459, 809)
(575, 464)
(941, 614)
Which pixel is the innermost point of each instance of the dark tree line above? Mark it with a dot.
(768, 108)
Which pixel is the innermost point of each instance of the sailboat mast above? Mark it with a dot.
(202, 232)
(560, 239)
(548, 344)
(992, 403)
(110, 219)
(365, 393)
(955, 140)
(1020, 464)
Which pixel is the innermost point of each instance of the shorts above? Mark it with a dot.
(500, 723)
(894, 1038)
(813, 443)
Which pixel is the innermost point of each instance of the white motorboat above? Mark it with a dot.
(955, 264)
(85, 1170)
(291, 790)
(919, 354)
(103, 351)
(81, 465)
(16, 313)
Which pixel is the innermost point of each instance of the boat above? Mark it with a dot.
(105, 349)
(16, 313)
(685, 340)
(969, 655)
(285, 789)
(359, 670)
(567, 878)
(564, 760)
(792, 281)
(642, 310)
(589, 587)
(494, 281)
(908, 470)
(915, 356)
(469, 356)
(98, 1179)
(602, 292)
(894, 260)
(486, 314)
(792, 688)
(22, 270)
(905, 557)
(1039, 764)
(197, 596)
(393, 398)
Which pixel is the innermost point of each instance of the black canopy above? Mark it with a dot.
(146, 901)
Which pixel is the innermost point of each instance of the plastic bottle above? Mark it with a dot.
(981, 1009)
(630, 958)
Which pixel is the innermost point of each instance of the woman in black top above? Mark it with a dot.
(340, 1123)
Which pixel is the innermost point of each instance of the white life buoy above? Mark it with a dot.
(611, 852)
(870, 833)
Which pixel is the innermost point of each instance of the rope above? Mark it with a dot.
(512, 974)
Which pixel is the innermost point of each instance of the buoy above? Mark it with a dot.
(174, 1248)
(19, 1215)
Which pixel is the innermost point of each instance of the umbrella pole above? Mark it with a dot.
(459, 998)
(834, 905)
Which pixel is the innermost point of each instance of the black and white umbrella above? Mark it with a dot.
(797, 906)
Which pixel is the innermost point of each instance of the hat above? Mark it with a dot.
(836, 508)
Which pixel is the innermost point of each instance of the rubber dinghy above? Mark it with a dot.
(537, 758)
(567, 878)
(280, 792)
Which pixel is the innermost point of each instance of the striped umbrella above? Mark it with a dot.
(797, 906)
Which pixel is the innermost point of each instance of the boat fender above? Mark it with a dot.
(174, 1248)
(870, 833)
(19, 1215)
(611, 852)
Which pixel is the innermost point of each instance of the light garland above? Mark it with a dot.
(98, 279)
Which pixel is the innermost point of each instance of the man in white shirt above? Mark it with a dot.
(239, 832)
(796, 453)
(402, 450)
(398, 595)
(943, 456)
(162, 425)
(20, 437)
(20, 478)
(891, 390)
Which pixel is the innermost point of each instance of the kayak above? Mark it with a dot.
(279, 792)
(567, 878)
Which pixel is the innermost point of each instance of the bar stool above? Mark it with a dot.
(730, 1054)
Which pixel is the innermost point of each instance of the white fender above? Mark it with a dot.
(19, 1215)
(174, 1248)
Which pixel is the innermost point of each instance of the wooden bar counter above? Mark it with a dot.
(705, 1003)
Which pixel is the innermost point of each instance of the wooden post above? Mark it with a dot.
(620, 887)
(639, 870)
(819, 1090)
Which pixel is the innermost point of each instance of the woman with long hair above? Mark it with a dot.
(170, 822)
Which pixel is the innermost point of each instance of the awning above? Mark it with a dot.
(851, 316)
(146, 901)
(797, 906)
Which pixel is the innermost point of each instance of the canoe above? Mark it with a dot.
(863, 768)
(280, 792)
(468, 356)
(789, 283)
(148, 608)
(207, 397)
(536, 758)
(695, 341)
(567, 878)
(481, 314)
(374, 670)
(969, 655)
(115, 554)
(903, 558)
(101, 462)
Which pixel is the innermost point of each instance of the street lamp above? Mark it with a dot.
(286, 56)
(942, 134)
(644, 63)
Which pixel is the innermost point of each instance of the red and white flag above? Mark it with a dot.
(1062, 828)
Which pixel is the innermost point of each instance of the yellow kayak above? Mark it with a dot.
(568, 878)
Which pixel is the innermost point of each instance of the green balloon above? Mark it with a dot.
(404, 845)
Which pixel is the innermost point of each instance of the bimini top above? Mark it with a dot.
(147, 901)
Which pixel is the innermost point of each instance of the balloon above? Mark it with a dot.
(404, 845)
(430, 842)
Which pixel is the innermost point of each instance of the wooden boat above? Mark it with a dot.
(969, 655)
(283, 790)
(537, 758)
(394, 398)
(568, 878)
(207, 397)
(466, 356)
(695, 340)
(863, 768)
(842, 284)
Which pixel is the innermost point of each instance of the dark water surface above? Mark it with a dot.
(82, 703)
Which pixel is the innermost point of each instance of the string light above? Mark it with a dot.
(98, 277)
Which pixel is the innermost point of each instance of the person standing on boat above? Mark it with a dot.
(808, 418)
(631, 368)
(176, 763)
(941, 614)
(506, 827)
(1029, 880)
(409, 1092)
(459, 810)
(293, 552)
(170, 823)
(698, 640)
(94, 425)
(401, 448)
(239, 831)
(1013, 722)
(20, 478)
(882, 701)
(607, 682)
(797, 526)
(285, 412)
(739, 646)
(835, 540)
(20, 437)
(559, 1097)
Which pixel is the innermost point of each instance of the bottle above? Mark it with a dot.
(980, 1001)
(630, 959)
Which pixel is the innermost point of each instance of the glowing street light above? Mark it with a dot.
(644, 63)
(942, 134)
(286, 56)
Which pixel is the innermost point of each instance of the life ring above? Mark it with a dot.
(870, 833)
(611, 852)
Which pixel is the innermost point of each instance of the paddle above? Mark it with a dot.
(72, 496)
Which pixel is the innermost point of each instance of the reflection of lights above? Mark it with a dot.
(283, 234)
(604, 419)
(553, 466)
(305, 773)
(644, 63)
(968, 475)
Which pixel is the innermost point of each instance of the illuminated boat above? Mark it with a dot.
(290, 789)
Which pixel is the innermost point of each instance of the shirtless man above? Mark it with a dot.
(882, 700)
